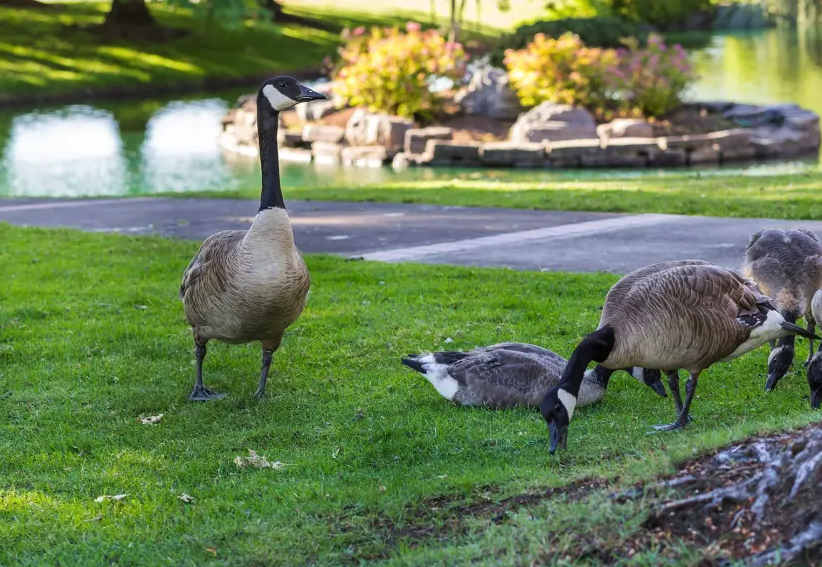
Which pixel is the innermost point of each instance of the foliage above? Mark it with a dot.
(657, 13)
(656, 76)
(391, 71)
(601, 31)
(638, 80)
(563, 70)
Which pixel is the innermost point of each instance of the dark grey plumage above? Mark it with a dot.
(510, 374)
(786, 266)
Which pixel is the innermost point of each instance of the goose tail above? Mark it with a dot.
(797, 330)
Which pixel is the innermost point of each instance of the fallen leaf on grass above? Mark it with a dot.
(109, 497)
(382, 488)
(151, 419)
(212, 550)
(186, 498)
(257, 461)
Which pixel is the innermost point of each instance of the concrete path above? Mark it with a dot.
(519, 239)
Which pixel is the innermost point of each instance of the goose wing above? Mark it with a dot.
(208, 267)
(505, 378)
(525, 348)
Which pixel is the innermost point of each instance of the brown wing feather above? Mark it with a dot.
(210, 257)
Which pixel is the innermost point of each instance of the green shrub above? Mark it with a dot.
(594, 32)
(640, 80)
(391, 71)
(563, 70)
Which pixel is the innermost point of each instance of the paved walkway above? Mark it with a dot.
(519, 239)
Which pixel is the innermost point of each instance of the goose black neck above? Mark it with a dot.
(601, 375)
(271, 196)
(596, 346)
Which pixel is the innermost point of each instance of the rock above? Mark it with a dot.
(569, 154)
(625, 128)
(783, 141)
(507, 154)
(400, 161)
(327, 152)
(550, 122)
(704, 156)
(670, 158)
(417, 138)
(364, 156)
(368, 129)
(295, 154)
(488, 94)
(752, 116)
(290, 139)
(627, 152)
(322, 133)
(441, 152)
(316, 110)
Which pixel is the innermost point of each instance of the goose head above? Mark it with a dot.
(557, 409)
(815, 380)
(651, 377)
(282, 93)
(779, 362)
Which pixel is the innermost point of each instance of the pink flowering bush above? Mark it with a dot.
(389, 70)
(563, 70)
(638, 80)
(655, 77)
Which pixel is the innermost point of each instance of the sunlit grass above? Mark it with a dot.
(778, 196)
(92, 337)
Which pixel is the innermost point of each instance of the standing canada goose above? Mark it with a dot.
(683, 314)
(250, 285)
(512, 374)
(815, 366)
(787, 267)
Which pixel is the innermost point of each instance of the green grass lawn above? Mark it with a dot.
(377, 465)
(40, 50)
(780, 196)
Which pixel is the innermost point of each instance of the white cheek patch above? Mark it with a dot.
(277, 99)
(775, 352)
(569, 401)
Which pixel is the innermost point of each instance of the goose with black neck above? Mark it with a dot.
(250, 285)
(684, 314)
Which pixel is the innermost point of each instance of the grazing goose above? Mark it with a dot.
(511, 374)
(683, 314)
(250, 285)
(815, 366)
(787, 267)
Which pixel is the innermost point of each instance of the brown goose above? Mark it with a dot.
(250, 285)
(512, 374)
(815, 366)
(684, 314)
(786, 266)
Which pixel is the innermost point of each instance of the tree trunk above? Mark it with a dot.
(129, 13)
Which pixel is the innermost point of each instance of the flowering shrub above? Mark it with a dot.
(563, 70)
(638, 80)
(655, 77)
(391, 71)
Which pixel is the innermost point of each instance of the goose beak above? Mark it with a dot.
(559, 437)
(770, 384)
(816, 398)
(307, 95)
(658, 387)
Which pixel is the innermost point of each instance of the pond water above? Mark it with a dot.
(171, 145)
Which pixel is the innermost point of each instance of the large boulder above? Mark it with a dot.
(489, 94)
(550, 122)
(369, 129)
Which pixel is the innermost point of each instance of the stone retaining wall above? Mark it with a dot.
(372, 140)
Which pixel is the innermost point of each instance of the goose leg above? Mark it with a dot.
(683, 410)
(812, 329)
(200, 392)
(269, 348)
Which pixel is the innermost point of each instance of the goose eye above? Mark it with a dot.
(557, 408)
(282, 85)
